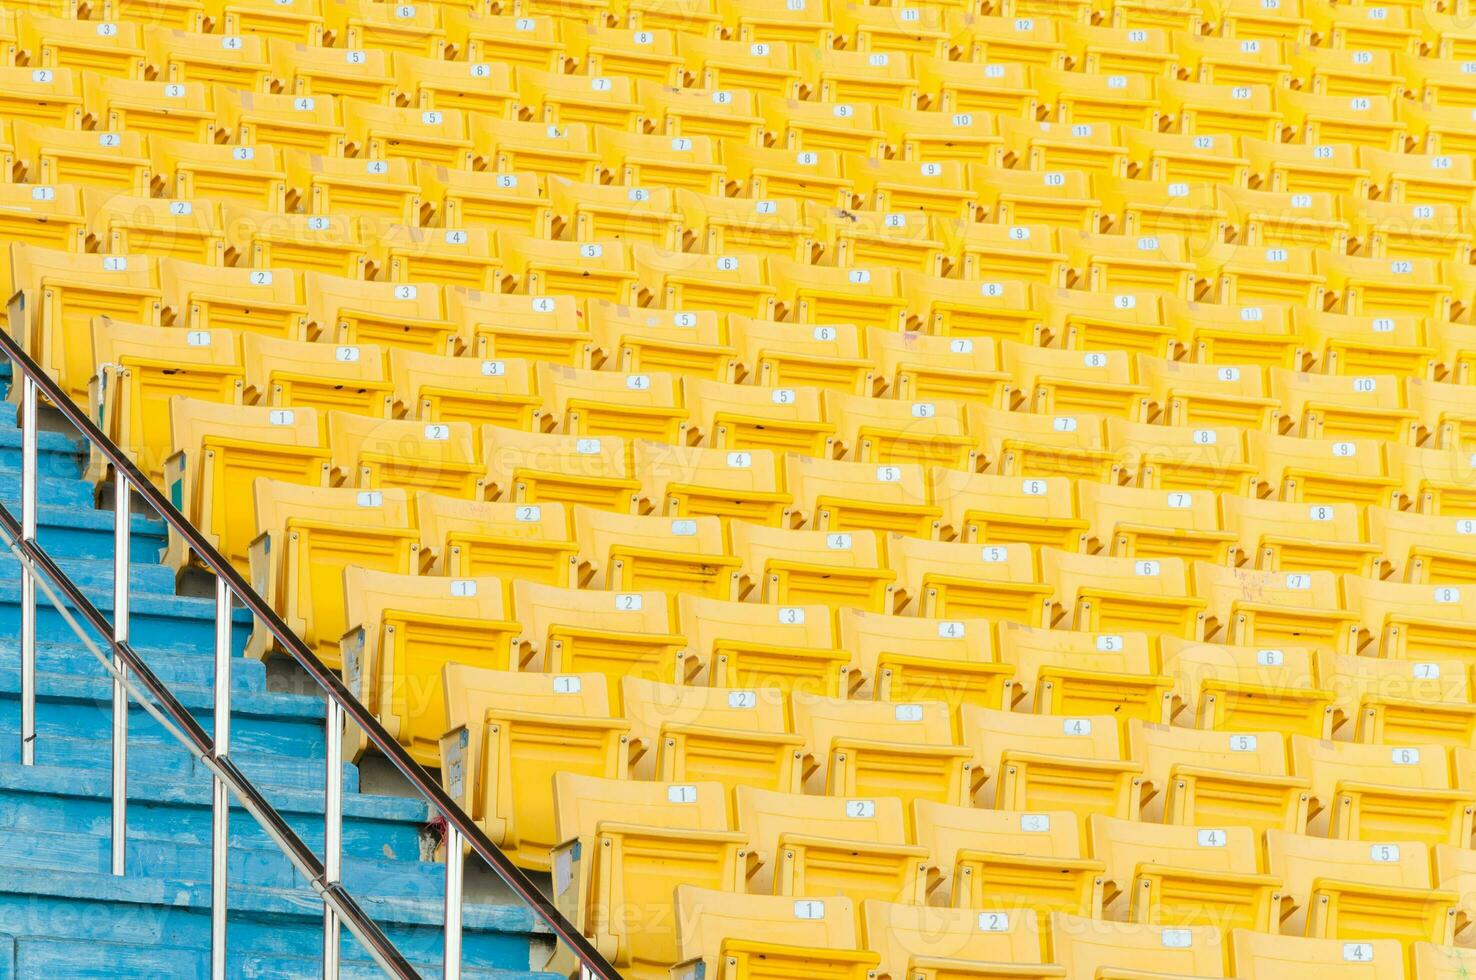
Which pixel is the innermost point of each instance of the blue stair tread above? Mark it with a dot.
(174, 667)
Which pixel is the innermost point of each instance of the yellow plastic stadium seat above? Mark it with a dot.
(772, 353)
(588, 270)
(1322, 406)
(819, 846)
(605, 403)
(426, 84)
(314, 72)
(1433, 962)
(1111, 99)
(261, 301)
(1252, 607)
(1112, 322)
(1249, 275)
(469, 538)
(532, 468)
(1361, 120)
(732, 284)
(911, 30)
(1095, 593)
(843, 127)
(1184, 876)
(628, 553)
(614, 878)
(1261, 217)
(1388, 30)
(769, 20)
(919, 365)
(864, 76)
(63, 292)
(980, 508)
(909, 658)
(498, 325)
(1256, 333)
(1379, 792)
(140, 368)
(951, 579)
(1435, 481)
(1228, 60)
(1190, 211)
(1064, 673)
(306, 536)
(1246, 688)
(309, 123)
(452, 256)
(320, 184)
(744, 645)
(1086, 147)
(537, 149)
(1021, 254)
(1049, 382)
(402, 630)
(1397, 286)
(739, 225)
(179, 110)
(295, 20)
(830, 495)
(1266, 956)
(1133, 522)
(1050, 762)
(1424, 547)
(468, 200)
(1132, 949)
(889, 430)
(1197, 160)
(997, 89)
(569, 99)
(41, 214)
(1399, 702)
(112, 47)
(824, 294)
(345, 310)
(1026, 444)
(903, 239)
(517, 40)
(757, 67)
(433, 388)
(1024, 40)
(922, 943)
(591, 212)
(250, 176)
(833, 568)
(1432, 231)
(1205, 395)
(507, 730)
(773, 937)
(117, 160)
(732, 736)
(684, 343)
(220, 450)
(45, 96)
(1321, 470)
(688, 481)
(292, 243)
(1061, 198)
(757, 417)
(237, 60)
(1207, 779)
(1446, 411)
(1167, 457)
(632, 638)
(1104, 49)
(1009, 860)
(373, 452)
(422, 135)
(1409, 621)
(918, 138)
(1353, 889)
(1343, 344)
(673, 163)
(398, 29)
(1283, 535)
(123, 225)
(718, 114)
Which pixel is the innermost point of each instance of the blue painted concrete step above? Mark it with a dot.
(86, 907)
(174, 667)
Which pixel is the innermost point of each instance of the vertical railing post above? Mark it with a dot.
(454, 861)
(29, 492)
(220, 812)
(121, 550)
(332, 832)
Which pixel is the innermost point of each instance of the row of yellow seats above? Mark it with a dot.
(720, 935)
(863, 848)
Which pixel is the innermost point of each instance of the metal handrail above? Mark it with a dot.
(339, 905)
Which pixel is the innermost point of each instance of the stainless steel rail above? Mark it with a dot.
(131, 673)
